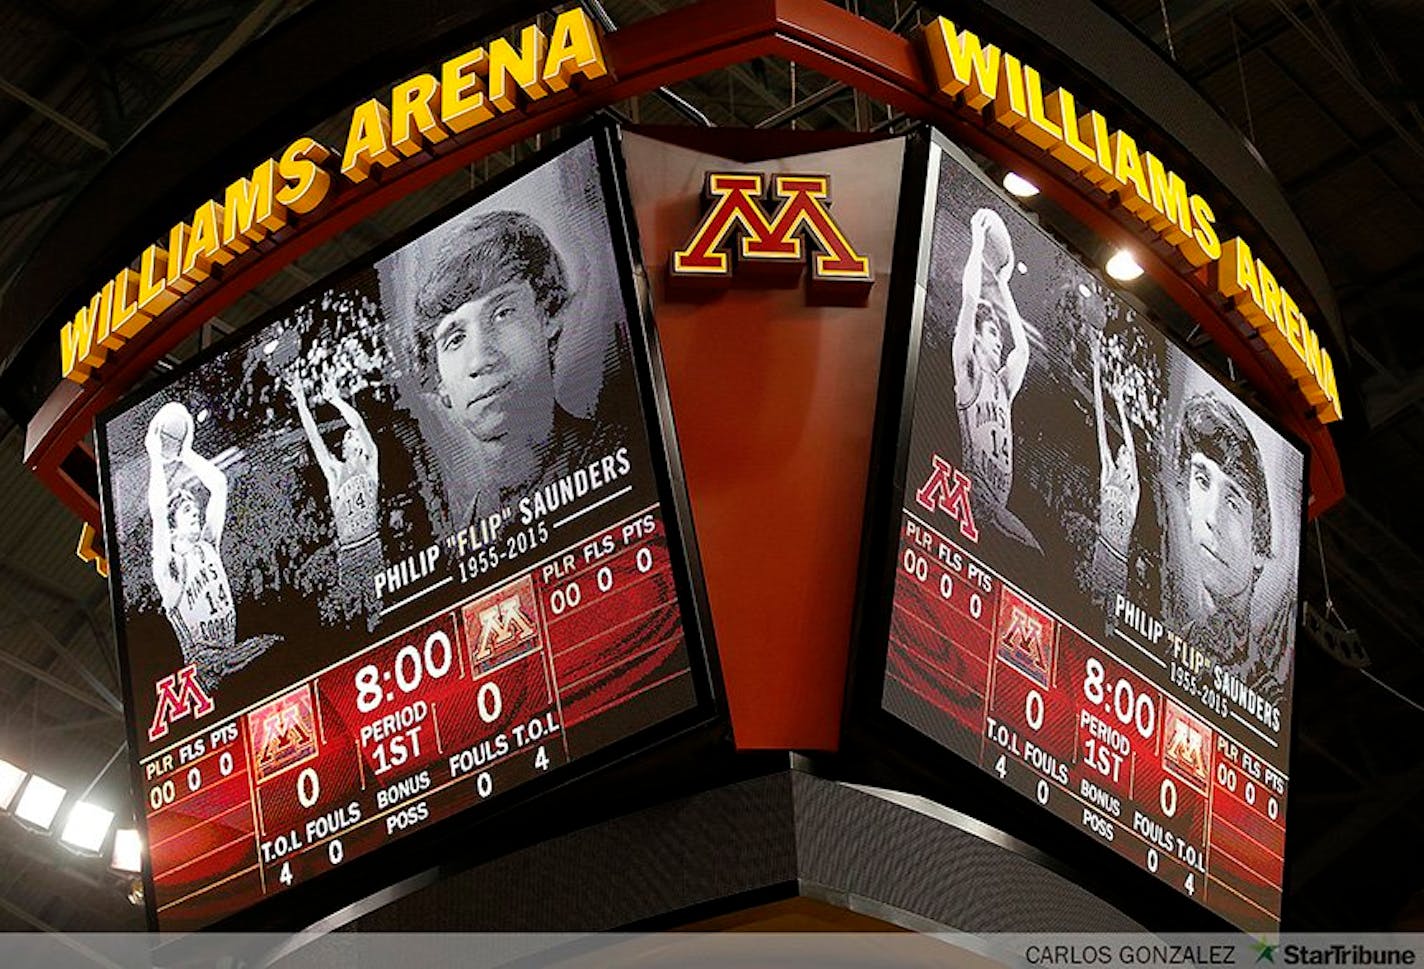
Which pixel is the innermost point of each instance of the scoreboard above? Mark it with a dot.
(1090, 547)
(1083, 728)
(442, 715)
(412, 545)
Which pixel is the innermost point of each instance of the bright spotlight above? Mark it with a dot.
(87, 827)
(11, 778)
(39, 803)
(1020, 186)
(1123, 267)
(128, 851)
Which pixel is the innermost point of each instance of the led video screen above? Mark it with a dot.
(409, 544)
(1095, 552)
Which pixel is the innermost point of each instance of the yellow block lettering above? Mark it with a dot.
(573, 49)
(1041, 130)
(177, 249)
(204, 242)
(1330, 411)
(1270, 293)
(368, 142)
(1204, 246)
(1093, 130)
(154, 296)
(961, 64)
(1310, 342)
(76, 344)
(413, 121)
(250, 209)
(462, 99)
(1169, 198)
(1010, 111)
(307, 180)
(1236, 275)
(1129, 178)
(522, 67)
(1072, 151)
(128, 318)
(1290, 323)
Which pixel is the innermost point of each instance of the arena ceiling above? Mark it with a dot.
(1327, 93)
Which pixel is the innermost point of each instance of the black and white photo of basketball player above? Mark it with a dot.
(1232, 549)
(187, 504)
(1045, 389)
(361, 429)
(509, 322)
(986, 379)
(352, 485)
(1120, 489)
(296, 521)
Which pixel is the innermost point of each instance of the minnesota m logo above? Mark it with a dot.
(948, 490)
(738, 204)
(502, 624)
(179, 695)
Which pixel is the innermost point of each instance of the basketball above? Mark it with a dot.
(1092, 308)
(998, 247)
(175, 429)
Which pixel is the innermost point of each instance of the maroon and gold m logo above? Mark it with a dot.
(179, 695)
(502, 624)
(774, 244)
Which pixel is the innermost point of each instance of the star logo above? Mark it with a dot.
(1265, 951)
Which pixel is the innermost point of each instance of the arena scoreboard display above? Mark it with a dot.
(414, 544)
(1081, 554)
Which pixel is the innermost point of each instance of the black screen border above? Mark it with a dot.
(425, 853)
(879, 746)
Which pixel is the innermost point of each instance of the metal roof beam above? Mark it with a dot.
(54, 682)
(151, 35)
(35, 104)
(40, 191)
(1293, 76)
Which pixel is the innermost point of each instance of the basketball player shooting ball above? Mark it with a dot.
(1119, 488)
(985, 380)
(187, 534)
(187, 550)
(351, 484)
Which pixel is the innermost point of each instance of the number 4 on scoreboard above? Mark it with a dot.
(286, 876)
(1001, 767)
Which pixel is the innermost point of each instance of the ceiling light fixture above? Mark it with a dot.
(128, 851)
(39, 803)
(1020, 186)
(1123, 267)
(11, 780)
(87, 827)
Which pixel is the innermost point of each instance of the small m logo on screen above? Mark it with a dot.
(502, 625)
(179, 696)
(779, 221)
(947, 490)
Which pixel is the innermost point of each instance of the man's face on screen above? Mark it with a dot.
(1221, 515)
(187, 526)
(496, 375)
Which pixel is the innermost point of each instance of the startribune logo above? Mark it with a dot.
(776, 219)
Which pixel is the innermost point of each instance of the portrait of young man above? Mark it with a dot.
(487, 316)
(1225, 500)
